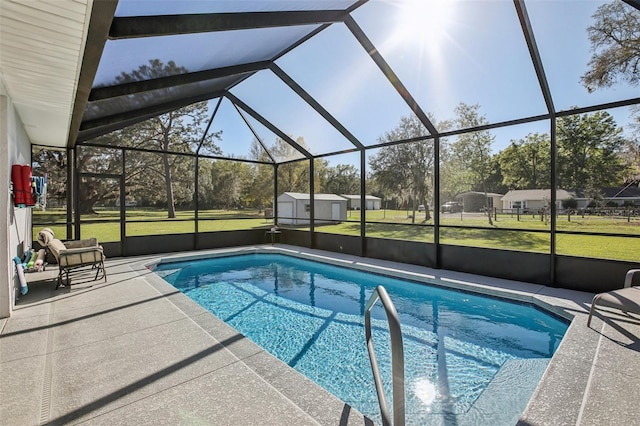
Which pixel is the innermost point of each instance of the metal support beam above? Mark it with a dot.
(206, 130)
(436, 200)
(633, 3)
(174, 80)
(388, 72)
(267, 124)
(554, 183)
(163, 25)
(123, 202)
(255, 134)
(71, 194)
(196, 204)
(527, 30)
(363, 205)
(315, 105)
(123, 119)
(312, 203)
(599, 107)
(76, 196)
(183, 154)
(275, 194)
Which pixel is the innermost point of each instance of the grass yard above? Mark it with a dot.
(507, 232)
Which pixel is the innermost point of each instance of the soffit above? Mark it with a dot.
(41, 49)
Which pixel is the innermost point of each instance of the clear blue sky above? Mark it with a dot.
(445, 52)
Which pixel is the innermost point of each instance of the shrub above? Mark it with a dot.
(570, 203)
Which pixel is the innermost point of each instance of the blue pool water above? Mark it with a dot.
(469, 359)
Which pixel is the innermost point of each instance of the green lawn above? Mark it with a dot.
(507, 232)
(152, 222)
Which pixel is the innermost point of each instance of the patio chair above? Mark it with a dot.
(627, 299)
(74, 255)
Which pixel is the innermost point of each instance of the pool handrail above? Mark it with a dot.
(397, 358)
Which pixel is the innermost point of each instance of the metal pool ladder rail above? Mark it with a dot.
(397, 358)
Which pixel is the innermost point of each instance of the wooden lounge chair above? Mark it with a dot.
(73, 255)
(627, 299)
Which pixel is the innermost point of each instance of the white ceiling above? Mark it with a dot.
(41, 48)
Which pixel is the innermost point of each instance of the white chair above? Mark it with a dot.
(627, 299)
(75, 254)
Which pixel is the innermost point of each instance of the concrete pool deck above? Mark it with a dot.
(134, 350)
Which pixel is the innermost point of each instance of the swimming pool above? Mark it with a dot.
(468, 359)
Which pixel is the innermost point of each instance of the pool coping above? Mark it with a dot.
(544, 407)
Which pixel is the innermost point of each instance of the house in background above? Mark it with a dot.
(536, 199)
(533, 199)
(353, 202)
(294, 208)
(474, 201)
(629, 196)
(620, 196)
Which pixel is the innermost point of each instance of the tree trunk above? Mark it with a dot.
(87, 198)
(486, 202)
(86, 206)
(171, 210)
(414, 208)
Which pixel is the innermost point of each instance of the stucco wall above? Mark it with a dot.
(15, 148)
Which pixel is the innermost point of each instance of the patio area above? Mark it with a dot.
(134, 350)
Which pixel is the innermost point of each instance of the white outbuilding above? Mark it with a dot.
(353, 202)
(294, 208)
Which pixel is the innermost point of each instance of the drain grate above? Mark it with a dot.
(45, 402)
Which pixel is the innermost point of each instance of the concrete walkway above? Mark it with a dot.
(134, 350)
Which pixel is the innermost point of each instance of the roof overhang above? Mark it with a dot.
(42, 47)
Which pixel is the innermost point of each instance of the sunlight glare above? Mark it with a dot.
(424, 33)
(425, 391)
(425, 21)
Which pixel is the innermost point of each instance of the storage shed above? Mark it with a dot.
(294, 208)
(475, 201)
(353, 202)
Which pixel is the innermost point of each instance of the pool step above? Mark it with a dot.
(512, 385)
(166, 272)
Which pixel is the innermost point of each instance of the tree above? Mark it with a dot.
(473, 150)
(406, 169)
(293, 176)
(93, 190)
(320, 170)
(53, 164)
(205, 184)
(176, 131)
(260, 192)
(526, 163)
(342, 179)
(453, 176)
(588, 147)
(179, 131)
(631, 157)
(230, 180)
(631, 152)
(615, 46)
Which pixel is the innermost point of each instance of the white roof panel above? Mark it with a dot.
(41, 48)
